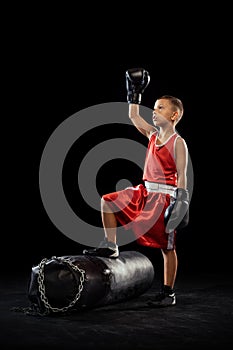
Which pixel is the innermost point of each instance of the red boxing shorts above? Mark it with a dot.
(142, 211)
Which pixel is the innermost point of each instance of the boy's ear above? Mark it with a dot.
(174, 116)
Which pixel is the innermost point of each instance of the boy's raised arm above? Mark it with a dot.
(140, 123)
(137, 79)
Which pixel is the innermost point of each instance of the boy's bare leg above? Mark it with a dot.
(109, 222)
(108, 247)
(167, 296)
(170, 267)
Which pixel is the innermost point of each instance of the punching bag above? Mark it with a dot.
(72, 283)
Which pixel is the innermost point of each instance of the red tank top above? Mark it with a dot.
(160, 161)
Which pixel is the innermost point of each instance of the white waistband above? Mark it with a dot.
(163, 188)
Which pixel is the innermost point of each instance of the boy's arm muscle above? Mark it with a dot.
(177, 213)
(181, 155)
(140, 123)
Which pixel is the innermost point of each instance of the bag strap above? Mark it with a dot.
(40, 280)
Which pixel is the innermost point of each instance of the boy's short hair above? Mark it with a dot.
(176, 102)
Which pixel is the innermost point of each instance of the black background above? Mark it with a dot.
(52, 92)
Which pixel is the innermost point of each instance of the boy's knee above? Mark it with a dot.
(168, 251)
(104, 206)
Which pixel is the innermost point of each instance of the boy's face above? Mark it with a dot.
(163, 112)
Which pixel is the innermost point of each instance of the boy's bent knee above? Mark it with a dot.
(104, 206)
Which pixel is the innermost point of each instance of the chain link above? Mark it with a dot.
(41, 277)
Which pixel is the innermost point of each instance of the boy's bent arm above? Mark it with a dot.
(144, 127)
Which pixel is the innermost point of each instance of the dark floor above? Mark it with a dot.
(203, 317)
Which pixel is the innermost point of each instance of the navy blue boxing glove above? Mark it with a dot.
(177, 213)
(137, 79)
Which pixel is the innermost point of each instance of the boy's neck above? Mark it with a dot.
(164, 134)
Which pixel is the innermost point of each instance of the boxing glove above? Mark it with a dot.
(176, 215)
(137, 79)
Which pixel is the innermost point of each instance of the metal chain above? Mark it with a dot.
(40, 280)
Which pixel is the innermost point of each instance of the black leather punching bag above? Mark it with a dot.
(71, 283)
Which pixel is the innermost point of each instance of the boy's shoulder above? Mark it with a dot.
(154, 132)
